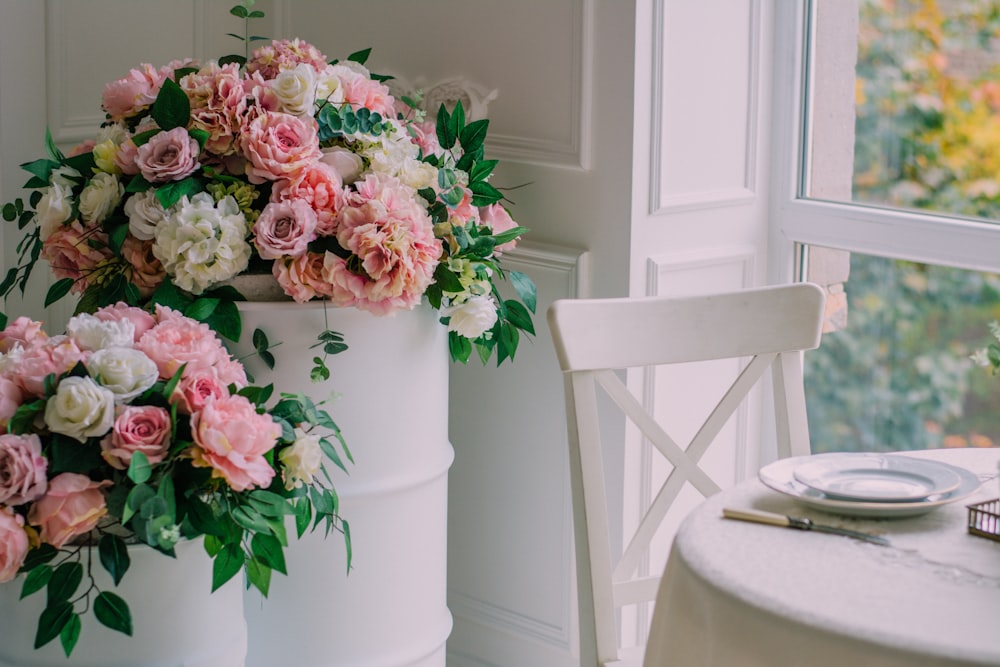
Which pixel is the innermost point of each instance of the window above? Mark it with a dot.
(895, 157)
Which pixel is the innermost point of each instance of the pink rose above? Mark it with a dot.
(11, 398)
(318, 185)
(13, 544)
(140, 319)
(392, 240)
(74, 251)
(22, 469)
(40, 358)
(72, 506)
(168, 156)
(177, 340)
(279, 145)
(138, 428)
(232, 439)
(498, 219)
(125, 157)
(425, 136)
(147, 271)
(284, 229)
(196, 388)
(133, 93)
(302, 277)
(22, 330)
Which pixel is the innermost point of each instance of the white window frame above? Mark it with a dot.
(917, 236)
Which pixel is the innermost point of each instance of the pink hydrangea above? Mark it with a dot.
(282, 54)
(278, 145)
(391, 238)
(11, 398)
(232, 439)
(218, 103)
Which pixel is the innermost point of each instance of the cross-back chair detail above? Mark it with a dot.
(594, 338)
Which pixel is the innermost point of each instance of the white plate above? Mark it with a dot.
(780, 476)
(876, 477)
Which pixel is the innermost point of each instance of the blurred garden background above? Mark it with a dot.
(927, 136)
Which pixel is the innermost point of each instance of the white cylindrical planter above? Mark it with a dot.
(390, 393)
(177, 621)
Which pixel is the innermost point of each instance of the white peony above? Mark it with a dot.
(125, 371)
(302, 460)
(296, 89)
(144, 213)
(100, 197)
(201, 243)
(80, 409)
(54, 208)
(473, 317)
(91, 333)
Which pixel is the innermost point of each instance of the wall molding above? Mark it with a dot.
(732, 196)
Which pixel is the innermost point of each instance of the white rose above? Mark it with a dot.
(302, 460)
(80, 409)
(91, 333)
(144, 213)
(201, 243)
(125, 371)
(345, 162)
(473, 317)
(65, 176)
(296, 89)
(100, 197)
(54, 208)
(329, 87)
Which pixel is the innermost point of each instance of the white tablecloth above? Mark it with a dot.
(738, 594)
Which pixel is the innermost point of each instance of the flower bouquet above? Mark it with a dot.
(140, 427)
(278, 161)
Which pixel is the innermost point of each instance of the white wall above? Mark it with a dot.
(637, 129)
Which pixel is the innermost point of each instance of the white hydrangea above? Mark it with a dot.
(91, 333)
(202, 243)
(144, 213)
(472, 317)
(124, 371)
(393, 154)
(100, 197)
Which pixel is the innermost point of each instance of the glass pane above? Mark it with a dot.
(900, 376)
(905, 105)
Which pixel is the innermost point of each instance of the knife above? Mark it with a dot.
(802, 523)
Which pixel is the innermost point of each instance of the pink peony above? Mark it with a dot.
(73, 251)
(177, 340)
(282, 54)
(168, 156)
(125, 157)
(232, 439)
(425, 136)
(138, 428)
(72, 506)
(391, 238)
(14, 544)
(22, 330)
(279, 145)
(30, 365)
(196, 388)
(22, 469)
(496, 217)
(11, 398)
(318, 185)
(140, 319)
(362, 91)
(302, 277)
(128, 96)
(284, 229)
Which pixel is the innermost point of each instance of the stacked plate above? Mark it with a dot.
(868, 484)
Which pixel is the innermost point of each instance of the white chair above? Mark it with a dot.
(594, 338)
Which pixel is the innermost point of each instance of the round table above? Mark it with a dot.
(752, 595)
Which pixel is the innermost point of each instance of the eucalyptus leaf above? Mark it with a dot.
(525, 288)
(139, 470)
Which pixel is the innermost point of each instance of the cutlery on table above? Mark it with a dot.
(802, 523)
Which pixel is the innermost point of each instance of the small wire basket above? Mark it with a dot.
(984, 519)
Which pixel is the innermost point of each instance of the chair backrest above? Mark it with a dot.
(769, 327)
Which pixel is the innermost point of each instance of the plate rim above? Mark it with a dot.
(925, 468)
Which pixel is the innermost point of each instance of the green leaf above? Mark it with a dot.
(303, 516)
(41, 169)
(484, 194)
(474, 134)
(271, 504)
(136, 498)
(50, 147)
(171, 193)
(114, 556)
(239, 11)
(139, 470)
(360, 57)
(24, 418)
(267, 549)
(518, 315)
(482, 170)
(457, 120)
(36, 580)
(70, 633)
(201, 309)
(65, 580)
(459, 346)
(446, 137)
(113, 612)
(446, 279)
(226, 320)
(171, 108)
(259, 576)
(227, 563)
(525, 288)
(51, 622)
(39, 556)
(250, 519)
(346, 528)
